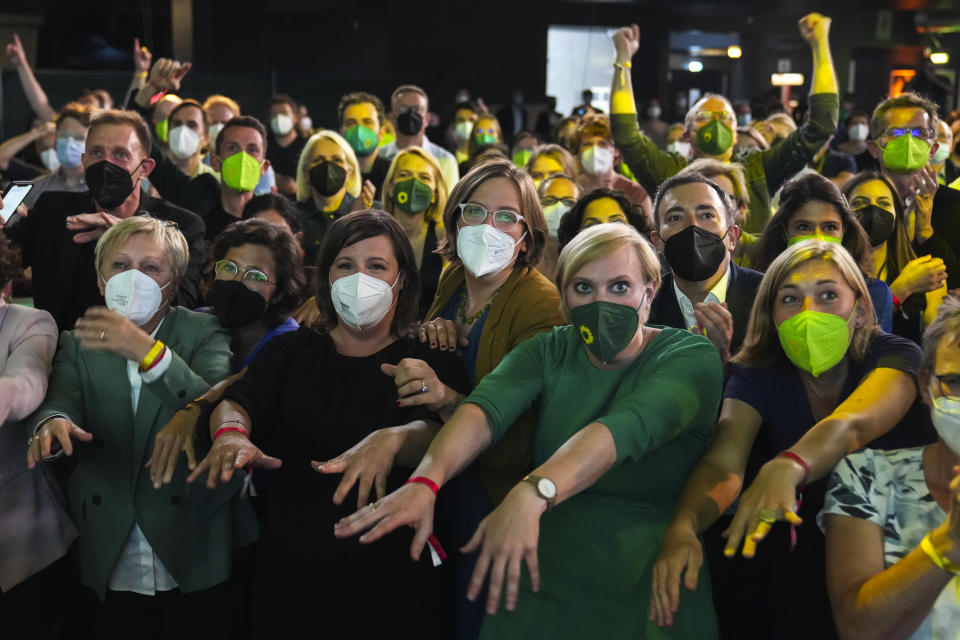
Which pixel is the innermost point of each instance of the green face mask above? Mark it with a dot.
(485, 138)
(815, 341)
(387, 139)
(715, 138)
(522, 157)
(412, 196)
(363, 140)
(241, 171)
(163, 130)
(906, 154)
(606, 327)
(796, 239)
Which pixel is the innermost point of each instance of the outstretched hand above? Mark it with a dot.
(15, 53)
(167, 74)
(141, 56)
(231, 451)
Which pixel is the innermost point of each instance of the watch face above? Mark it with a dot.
(546, 488)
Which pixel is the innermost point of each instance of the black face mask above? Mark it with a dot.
(234, 304)
(327, 178)
(409, 123)
(877, 222)
(109, 184)
(695, 254)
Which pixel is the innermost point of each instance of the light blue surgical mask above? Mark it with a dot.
(69, 151)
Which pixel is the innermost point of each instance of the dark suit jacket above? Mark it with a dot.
(64, 278)
(945, 241)
(742, 288)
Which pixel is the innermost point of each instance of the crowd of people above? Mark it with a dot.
(599, 377)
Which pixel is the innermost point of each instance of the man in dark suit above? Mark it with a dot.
(57, 240)
(706, 292)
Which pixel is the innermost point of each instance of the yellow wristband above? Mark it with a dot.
(621, 65)
(140, 74)
(938, 558)
(155, 350)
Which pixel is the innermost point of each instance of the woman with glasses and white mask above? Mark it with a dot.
(154, 558)
(255, 280)
(313, 393)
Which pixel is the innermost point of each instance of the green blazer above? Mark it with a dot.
(192, 529)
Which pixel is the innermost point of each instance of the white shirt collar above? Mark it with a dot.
(717, 294)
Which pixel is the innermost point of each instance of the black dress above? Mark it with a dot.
(431, 266)
(308, 402)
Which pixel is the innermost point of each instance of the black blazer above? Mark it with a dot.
(64, 278)
(741, 290)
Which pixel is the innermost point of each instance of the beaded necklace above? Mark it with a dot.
(476, 316)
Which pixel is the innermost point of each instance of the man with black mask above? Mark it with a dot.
(58, 238)
(695, 230)
(408, 110)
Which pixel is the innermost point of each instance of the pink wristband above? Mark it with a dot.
(802, 463)
(223, 430)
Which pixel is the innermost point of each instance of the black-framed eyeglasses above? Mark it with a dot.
(503, 219)
(228, 270)
(550, 200)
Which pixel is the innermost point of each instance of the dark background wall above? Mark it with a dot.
(318, 50)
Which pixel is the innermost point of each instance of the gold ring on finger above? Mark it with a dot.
(767, 515)
(374, 506)
(103, 335)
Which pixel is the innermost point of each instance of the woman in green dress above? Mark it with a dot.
(625, 411)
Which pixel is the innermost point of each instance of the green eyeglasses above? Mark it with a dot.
(228, 270)
(473, 214)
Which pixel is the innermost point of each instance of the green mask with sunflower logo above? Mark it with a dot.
(606, 327)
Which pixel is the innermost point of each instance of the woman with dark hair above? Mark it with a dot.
(600, 206)
(275, 209)
(254, 280)
(918, 284)
(313, 394)
(813, 207)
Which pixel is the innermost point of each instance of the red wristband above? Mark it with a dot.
(802, 463)
(427, 481)
(157, 97)
(896, 302)
(223, 430)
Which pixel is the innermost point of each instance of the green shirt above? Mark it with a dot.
(766, 171)
(596, 550)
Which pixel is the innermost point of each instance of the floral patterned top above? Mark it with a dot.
(888, 488)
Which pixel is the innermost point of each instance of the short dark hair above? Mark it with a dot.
(359, 97)
(571, 220)
(190, 102)
(9, 261)
(274, 202)
(290, 279)
(282, 98)
(695, 177)
(242, 121)
(351, 229)
(811, 187)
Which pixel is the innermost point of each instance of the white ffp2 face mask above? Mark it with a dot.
(50, 159)
(184, 142)
(484, 249)
(680, 147)
(213, 131)
(360, 300)
(946, 420)
(281, 124)
(597, 160)
(858, 132)
(553, 213)
(463, 130)
(134, 294)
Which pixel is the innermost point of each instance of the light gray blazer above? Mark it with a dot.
(35, 529)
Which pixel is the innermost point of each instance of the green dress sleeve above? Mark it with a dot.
(682, 393)
(513, 387)
(650, 166)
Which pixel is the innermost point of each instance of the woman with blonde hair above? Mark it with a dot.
(608, 464)
(329, 182)
(415, 193)
(549, 160)
(816, 378)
